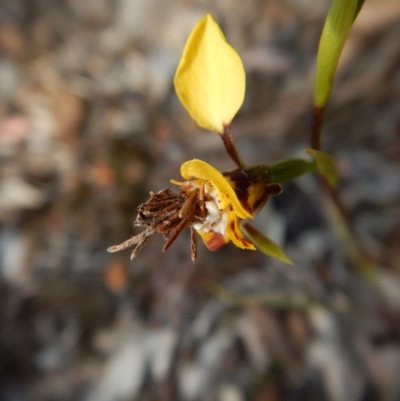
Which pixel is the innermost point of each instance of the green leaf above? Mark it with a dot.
(325, 165)
(336, 29)
(289, 169)
(264, 244)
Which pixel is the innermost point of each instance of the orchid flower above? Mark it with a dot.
(210, 83)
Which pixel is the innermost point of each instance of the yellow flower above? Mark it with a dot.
(210, 79)
(215, 205)
(224, 212)
(230, 198)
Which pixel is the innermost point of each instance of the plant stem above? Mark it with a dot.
(227, 139)
(355, 249)
(318, 116)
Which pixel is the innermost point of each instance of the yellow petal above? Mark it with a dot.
(176, 182)
(226, 195)
(235, 233)
(210, 79)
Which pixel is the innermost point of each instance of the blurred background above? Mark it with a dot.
(90, 123)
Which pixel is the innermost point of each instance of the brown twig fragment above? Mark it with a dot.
(167, 212)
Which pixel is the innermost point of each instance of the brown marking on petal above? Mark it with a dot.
(237, 236)
(234, 228)
(241, 183)
(213, 241)
(273, 189)
(252, 186)
(246, 242)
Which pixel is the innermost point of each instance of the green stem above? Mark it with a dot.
(347, 231)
